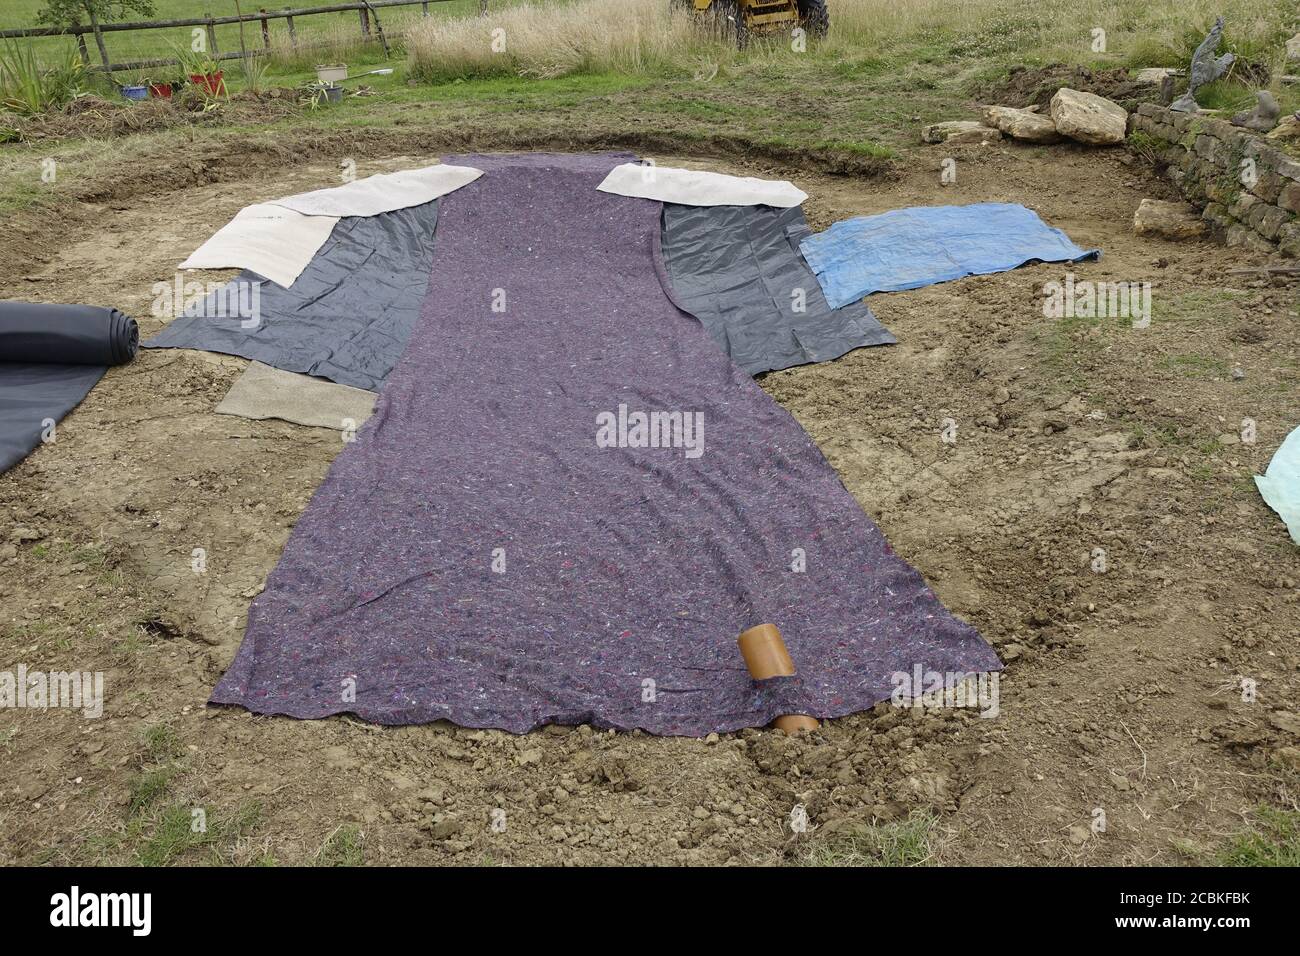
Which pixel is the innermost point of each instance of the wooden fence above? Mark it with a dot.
(367, 11)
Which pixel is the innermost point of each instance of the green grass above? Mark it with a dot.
(1225, 95)
(161, 743)
(343, 847)
(907, 842)
(1197, 306)
(160, 828)
(174, 835)
(1196, 366)
(143, 44)
(1273, 841)
(148, 787)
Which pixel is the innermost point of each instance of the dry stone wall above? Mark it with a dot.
(1247, 187)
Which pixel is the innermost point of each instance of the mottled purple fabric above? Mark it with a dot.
(628, 571)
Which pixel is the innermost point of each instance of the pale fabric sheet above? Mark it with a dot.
(275, 242)
(385, 192)
(689, 187)
(278, 239)
(264, 392)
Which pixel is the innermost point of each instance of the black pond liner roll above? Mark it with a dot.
(51, 356)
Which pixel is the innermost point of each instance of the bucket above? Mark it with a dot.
(212, 82)
(162, 91)
(136, 92)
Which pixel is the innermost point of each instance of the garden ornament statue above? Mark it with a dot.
(1206, 68)
(1263, 117)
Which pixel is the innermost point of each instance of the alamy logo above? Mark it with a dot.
(626, 429)
(1098, 300)
(921, 688)
(39, 690)
(240, 299)
(103, 909)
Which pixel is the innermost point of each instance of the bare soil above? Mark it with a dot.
(1035, 86)
(1122, 692)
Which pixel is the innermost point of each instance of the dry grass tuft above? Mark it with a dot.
(550, 40)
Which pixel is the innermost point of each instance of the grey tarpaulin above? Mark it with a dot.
(739, 271)
(51, 356)
(348, 316)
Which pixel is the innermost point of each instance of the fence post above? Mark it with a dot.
(425, 7)
(99, 40)
(293, 34)
(482, 8)
(365, 22)
(266, 29)
(212, 34)
(379, 28)
(81, 49)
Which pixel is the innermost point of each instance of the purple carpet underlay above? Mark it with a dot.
(569, 502)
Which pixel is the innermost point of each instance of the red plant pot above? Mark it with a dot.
(212, 82)
(162, 91)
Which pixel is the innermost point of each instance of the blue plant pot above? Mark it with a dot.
(135, 92)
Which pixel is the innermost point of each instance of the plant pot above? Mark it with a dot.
(212, 82)
(334, 94)
(136, 93)
(162, 91)
(331, 72)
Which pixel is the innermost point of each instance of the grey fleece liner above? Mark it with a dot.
(739, 271)
(348, 316)
(488, 552)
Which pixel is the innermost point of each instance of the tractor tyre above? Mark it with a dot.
(815, 17)
(730, 21)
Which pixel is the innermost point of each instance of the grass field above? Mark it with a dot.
(595, 66)
(338, 32)
(643, 38)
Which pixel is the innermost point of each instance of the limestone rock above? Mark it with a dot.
(1168, 220)
(1089, 118)
(1288, 131)
(1286, 721)
(1021, 124)
(1155, 75)
(1289, 757)
(960, 131)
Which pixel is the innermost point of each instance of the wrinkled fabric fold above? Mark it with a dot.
(348, 316)
(739, 271)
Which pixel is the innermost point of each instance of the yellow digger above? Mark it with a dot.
(746, 18)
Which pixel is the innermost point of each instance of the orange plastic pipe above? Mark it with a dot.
(766, 656)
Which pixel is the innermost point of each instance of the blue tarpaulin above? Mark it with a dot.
(910, 248)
